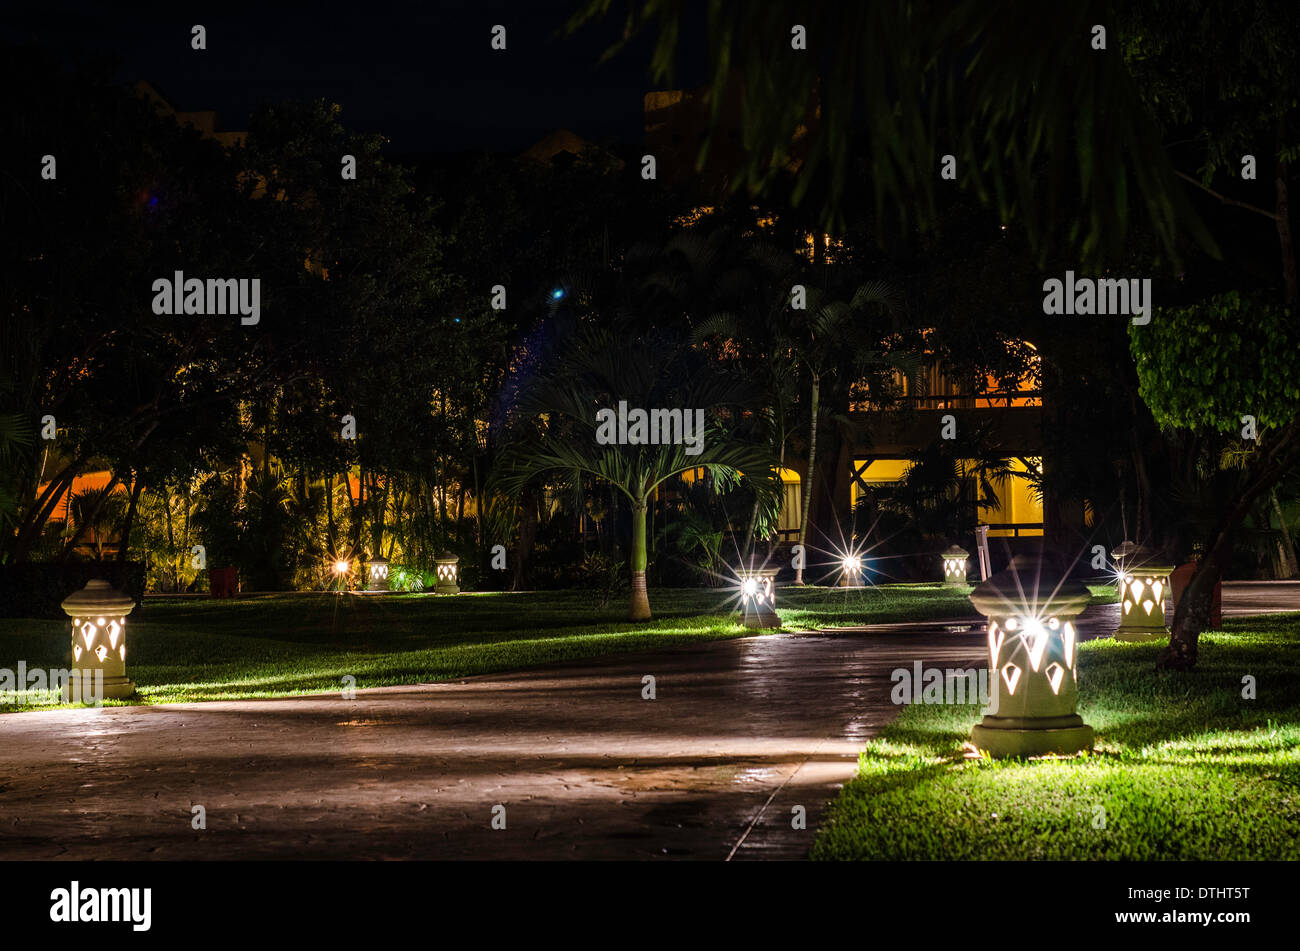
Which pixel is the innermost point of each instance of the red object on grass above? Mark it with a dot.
(223, 582)
(1178, 583)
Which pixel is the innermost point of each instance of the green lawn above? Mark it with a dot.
(206, 650)
(1185, 767)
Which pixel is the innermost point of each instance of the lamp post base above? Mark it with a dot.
(113, 688)
(1031, 736)
(446, 589)
(767, 618)
(1141, 634)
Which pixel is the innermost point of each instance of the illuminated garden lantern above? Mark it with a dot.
(851, 571)
(1143, 585)
(1033, 656)
(378, 574)
(758, 597)
(98, 613)
(447, 571)
(954, 567)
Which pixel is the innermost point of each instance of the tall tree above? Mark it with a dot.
(555, 426)
(1046, 127)
(1208, 366)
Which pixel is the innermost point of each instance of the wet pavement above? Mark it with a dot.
(739, 734)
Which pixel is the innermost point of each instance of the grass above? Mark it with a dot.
(188, 650)
(1185, 767)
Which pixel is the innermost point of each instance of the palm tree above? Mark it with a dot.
(826, 341)
(935, 493)
(554, 427)
(759, 346)
(98, 512)
(15, 435)
(830, 341)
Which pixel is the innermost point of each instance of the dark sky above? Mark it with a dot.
(422, 74)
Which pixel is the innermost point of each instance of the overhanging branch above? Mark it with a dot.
(1226, 200)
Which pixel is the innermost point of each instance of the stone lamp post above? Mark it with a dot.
(98, 612)
(851, 571)
(447, 571)
(1032, 661)
(954, 567)
(378, 574)
(1143, 585)
(758, 597)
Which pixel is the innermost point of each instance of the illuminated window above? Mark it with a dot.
(876, 472)
(791, 503)
(1019, 511)
(934, 389)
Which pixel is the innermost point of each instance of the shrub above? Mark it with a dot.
(35, 589)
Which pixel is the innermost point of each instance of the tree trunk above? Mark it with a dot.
(1192, 613)
(173, 567)
(356, 508)
(527, 534)
(749, 533)
(478, 501)
(329, 515)
(33, 524)
(639, 608)
(1283, 209)
(1288, 548)
(812, 472)
(776, 534)
(129, 521)
(89, 520)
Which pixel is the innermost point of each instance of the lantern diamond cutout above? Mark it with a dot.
(996, 639)
(1055, 674)
(1011, 674)
(1035, 637)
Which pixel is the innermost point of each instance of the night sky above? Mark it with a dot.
(423, 74)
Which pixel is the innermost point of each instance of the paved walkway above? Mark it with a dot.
(739, 734)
